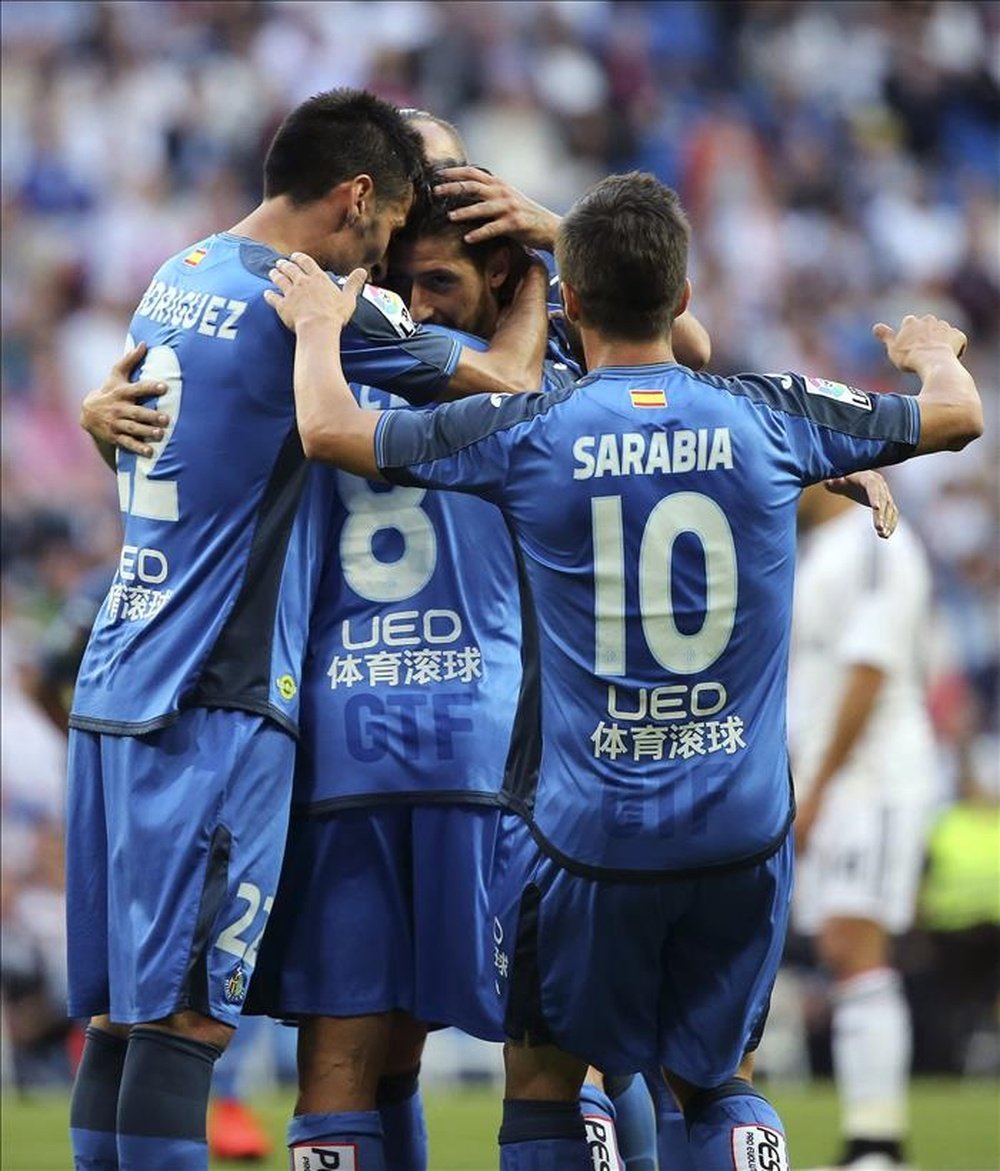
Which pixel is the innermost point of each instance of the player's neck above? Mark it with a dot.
(601, 350)
(272, 223)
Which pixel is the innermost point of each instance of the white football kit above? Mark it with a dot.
(862, 601)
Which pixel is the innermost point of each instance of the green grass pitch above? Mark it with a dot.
(956, 1127)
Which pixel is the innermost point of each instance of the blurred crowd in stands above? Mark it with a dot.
(840, 162)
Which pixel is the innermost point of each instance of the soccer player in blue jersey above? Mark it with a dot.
(643, 868)
(409, 691)
(186, 703)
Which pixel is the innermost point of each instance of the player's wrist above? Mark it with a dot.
(318, 322)
(929, 356)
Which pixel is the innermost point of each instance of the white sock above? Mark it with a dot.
(872, 1044)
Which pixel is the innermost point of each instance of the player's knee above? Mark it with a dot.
(745, 1070)
(542, 1072)
(105, 1025)
(406, 1046)
(848, 947)
(195, 1026)
(341, 1059)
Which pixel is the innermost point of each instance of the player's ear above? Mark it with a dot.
(570, 300)
(498, 268)
(685, 298)
(362, 196)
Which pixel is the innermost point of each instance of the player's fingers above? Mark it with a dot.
(130, 359)
(466, 187)
(884, 333)
(487, 209)
(459, 173)
(306, 263)
(145, 416)
(141, 389)
(281, 278)
(486, 232)
(355, 283)
(963, 343)
(130, 443)
(885, 523)
(275, 300)
(139, 430)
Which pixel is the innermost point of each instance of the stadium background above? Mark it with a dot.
(840, 163)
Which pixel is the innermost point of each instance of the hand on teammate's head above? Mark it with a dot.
(507, 211)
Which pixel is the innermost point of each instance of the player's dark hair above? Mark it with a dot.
(429, 217)
(411, 114)
(337, 135)
(623, 247)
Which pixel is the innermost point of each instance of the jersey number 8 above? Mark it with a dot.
(370, 512)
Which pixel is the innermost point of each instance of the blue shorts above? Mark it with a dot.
(174, 845)
(384, 908)
(633, 976)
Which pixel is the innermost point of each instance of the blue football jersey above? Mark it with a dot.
(205, 608)
(654, 513)
(413, 666)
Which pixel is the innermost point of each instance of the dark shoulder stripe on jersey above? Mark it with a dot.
(454, 426)
(411, 797)
(641, 877)
(894, 418)
(524, 756)
(258, 258)
(432, 357)
(237, 671)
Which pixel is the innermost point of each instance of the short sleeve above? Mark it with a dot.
(381, 346)
(466, 446)
(833, 429)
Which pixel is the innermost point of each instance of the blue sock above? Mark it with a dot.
(672, 1148)
(402, 1112)
(635, 1122)
(93, 1110)
(543, 1136)
(732, 1126)
(600, 1124)
(162, 1104)
(319, 1141)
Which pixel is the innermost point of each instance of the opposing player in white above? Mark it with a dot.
(863, 760)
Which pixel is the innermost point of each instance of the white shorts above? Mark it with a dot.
(864, 860)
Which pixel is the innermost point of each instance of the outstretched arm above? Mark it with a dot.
(333, 428)
(951, 413)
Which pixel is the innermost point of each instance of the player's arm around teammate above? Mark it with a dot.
(333, 428)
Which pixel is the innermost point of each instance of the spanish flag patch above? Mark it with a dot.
(648, 398)
(196, 257)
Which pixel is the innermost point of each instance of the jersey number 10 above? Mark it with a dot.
(675, 651)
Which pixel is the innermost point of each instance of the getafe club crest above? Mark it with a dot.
(235, 988)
